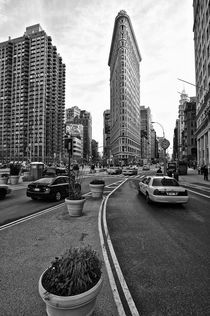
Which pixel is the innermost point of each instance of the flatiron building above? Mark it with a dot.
(124, 62)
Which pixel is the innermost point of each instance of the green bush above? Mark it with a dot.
(15, 169)
(75, 272)
(97, 181)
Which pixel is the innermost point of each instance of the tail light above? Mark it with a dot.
(158, 192)
(183, 193)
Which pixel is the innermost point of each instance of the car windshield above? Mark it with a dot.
(159, 182)
(45, 180)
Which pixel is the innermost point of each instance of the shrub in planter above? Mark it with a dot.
(97, 181)
(97, 188)
(4, 178)
(75, 201)
(15, 169)
(75, 277)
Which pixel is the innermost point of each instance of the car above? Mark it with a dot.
(163, 189)
(114, 170)
(4, 190)
(130, 171)
(146, 167)
(49, 188)
(54, 171)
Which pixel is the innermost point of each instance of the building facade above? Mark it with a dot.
(182, 103)
(75, 131)
(32, 98)
(124, 62)
(189, 148)
(74, 115)
(201, 29)
(175, 142)
(106, 136)
(145, 114)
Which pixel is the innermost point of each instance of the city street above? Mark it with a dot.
(163, 251)
(18, 205)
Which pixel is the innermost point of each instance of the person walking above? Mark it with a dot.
(205, 173)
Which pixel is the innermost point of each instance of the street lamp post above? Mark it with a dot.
(164, 146)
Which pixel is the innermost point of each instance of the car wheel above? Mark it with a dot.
(34, 198)
(148, 199)
(58, 196)
(2, 195)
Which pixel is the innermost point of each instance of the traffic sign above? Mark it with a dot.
(165, 143)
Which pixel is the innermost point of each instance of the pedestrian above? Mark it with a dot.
(205, 173)
(176, 175)
(202, 169)
(159, 171)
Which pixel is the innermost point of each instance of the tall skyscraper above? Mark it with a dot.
(145, 133)
(106, 135)
(182, 104)
(201, 29)
(32, 98)
(124, 62)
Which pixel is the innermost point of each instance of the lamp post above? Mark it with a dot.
(164, 144)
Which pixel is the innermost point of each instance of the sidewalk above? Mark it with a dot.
(193, 177)
(28, 248)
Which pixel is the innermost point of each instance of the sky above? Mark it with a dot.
(82, 32)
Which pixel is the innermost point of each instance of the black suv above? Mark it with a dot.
(51, 188)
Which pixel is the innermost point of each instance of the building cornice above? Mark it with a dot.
(121, 14)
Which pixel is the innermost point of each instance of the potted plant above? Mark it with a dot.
(4, 178)
(97, 188)
(71, 284)
(75, 201)
(15, 169)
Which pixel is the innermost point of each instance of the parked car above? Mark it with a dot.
(129, 171)
(50, 188)
(146, 167)
(163, 189)
(54, 171)
(114, 170)
(4, 190)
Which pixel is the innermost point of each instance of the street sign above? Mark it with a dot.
(165, 143)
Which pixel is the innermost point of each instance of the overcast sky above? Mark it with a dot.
(82, 31)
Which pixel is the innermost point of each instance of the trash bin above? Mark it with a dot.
(36, 170)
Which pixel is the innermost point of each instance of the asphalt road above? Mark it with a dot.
(163, 251)
(18, 205)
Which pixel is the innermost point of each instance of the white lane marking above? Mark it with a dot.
(113, 285)
(208, 197)
(29, 217)
(122, 281)
(21, 220)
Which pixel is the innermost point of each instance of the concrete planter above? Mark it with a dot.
(75, 207)
(77, 305)
(4, 180)
(14, 179)
(96, 190)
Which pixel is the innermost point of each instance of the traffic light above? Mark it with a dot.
(69, 145)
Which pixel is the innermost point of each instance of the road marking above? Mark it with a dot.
(123, 284)
(29, 217)
(208, 197)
